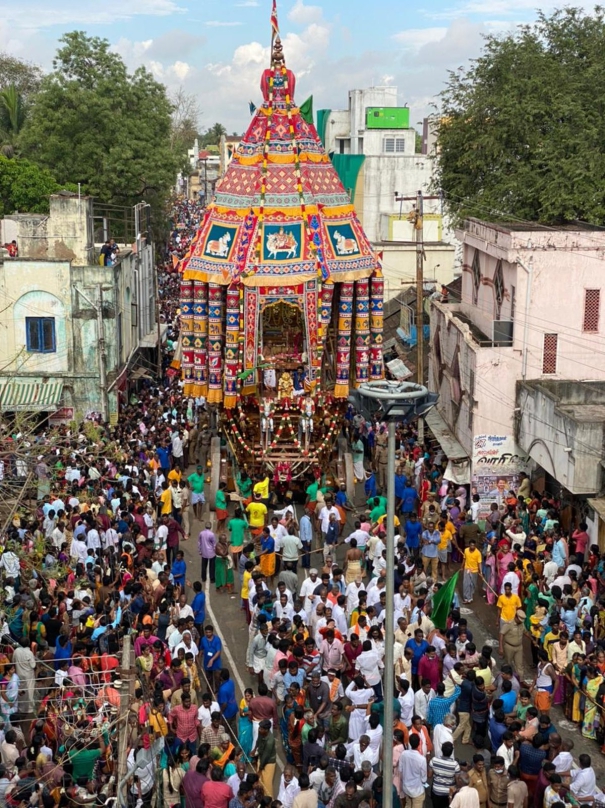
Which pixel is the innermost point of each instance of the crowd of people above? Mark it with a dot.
(102, 555)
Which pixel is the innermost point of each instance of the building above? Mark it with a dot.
(71, 330)
(516, 361)
(373, 148)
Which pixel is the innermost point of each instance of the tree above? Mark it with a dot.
(94, 123)
(24, 187)
(522, 132)
(184, 120)
(11, 110)
(212, 136)
(25, 76)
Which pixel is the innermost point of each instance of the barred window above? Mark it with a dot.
(592, 310)
(549, 353)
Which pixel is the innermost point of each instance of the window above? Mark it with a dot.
(549, 353)
(476, 271)
(393, 145)
(498, 290)
(40, 334)
(592, 307)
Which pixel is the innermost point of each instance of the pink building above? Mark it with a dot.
(529, 322)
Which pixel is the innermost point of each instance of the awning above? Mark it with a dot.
(151, 339)
(443, 435)
(598, 505)
(30, 394)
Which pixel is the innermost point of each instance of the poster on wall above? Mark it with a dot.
(497, 461)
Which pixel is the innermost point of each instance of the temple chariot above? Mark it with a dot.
(281, 297)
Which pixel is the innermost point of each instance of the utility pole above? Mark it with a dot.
(416, 217)
(102, 355)
(419, 228)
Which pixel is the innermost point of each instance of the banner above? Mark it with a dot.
(497, 461)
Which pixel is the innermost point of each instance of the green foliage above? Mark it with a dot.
(25, 76)
(96, 124)
(522, 131)
(417, 143)
(25, 187)
(212, 136)
(12, 111)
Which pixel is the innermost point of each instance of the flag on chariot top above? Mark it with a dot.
(274, 23)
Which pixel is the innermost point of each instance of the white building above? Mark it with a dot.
(518, 363)
(51, 321)
(377, 131)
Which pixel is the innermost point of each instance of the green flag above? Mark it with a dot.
(442, 602)
(306, 110)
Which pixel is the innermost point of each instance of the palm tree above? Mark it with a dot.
(12, 111)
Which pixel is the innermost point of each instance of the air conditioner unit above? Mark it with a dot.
(502, 333)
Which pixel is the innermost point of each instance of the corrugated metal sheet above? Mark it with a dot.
(30, 394)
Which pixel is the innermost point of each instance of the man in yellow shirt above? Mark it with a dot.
(257, 515)
(471, 567)
(443, 549)
(507, 609)
(166, 500)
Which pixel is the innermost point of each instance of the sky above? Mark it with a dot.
(217, 49)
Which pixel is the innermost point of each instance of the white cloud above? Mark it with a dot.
(304, 15)
(415, 38)
(222, 24)
(72, 12)
(248, 4)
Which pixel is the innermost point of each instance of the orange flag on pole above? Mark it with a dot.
(274, 23)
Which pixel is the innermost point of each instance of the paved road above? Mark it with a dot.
(225, 613)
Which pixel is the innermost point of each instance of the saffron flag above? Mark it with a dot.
(442, 602)
(306, 110)
(274, 23)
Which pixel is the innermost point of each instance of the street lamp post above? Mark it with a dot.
(393, 402)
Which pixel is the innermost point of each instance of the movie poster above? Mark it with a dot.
(497, 461)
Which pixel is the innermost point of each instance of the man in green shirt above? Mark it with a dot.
(237, 527)
(83, 759)
(266, 754)
(377, 511)
(196, 481)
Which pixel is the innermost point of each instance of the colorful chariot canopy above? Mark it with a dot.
(280, 214)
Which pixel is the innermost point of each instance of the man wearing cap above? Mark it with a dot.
(511, 641)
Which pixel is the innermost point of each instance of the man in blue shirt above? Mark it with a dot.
(400, 484)
(430, 540)
(409, 498)
(418, 646)
(226, 699)
(306, 537)
(198, 606)
(163, 453)
(413, 531)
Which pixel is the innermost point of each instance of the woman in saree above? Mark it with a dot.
(489, 570)
(284, 723)
(296, 722)
(531, 599)
(572, 703)
(594, 680)
(244, 723)
(9, 693)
